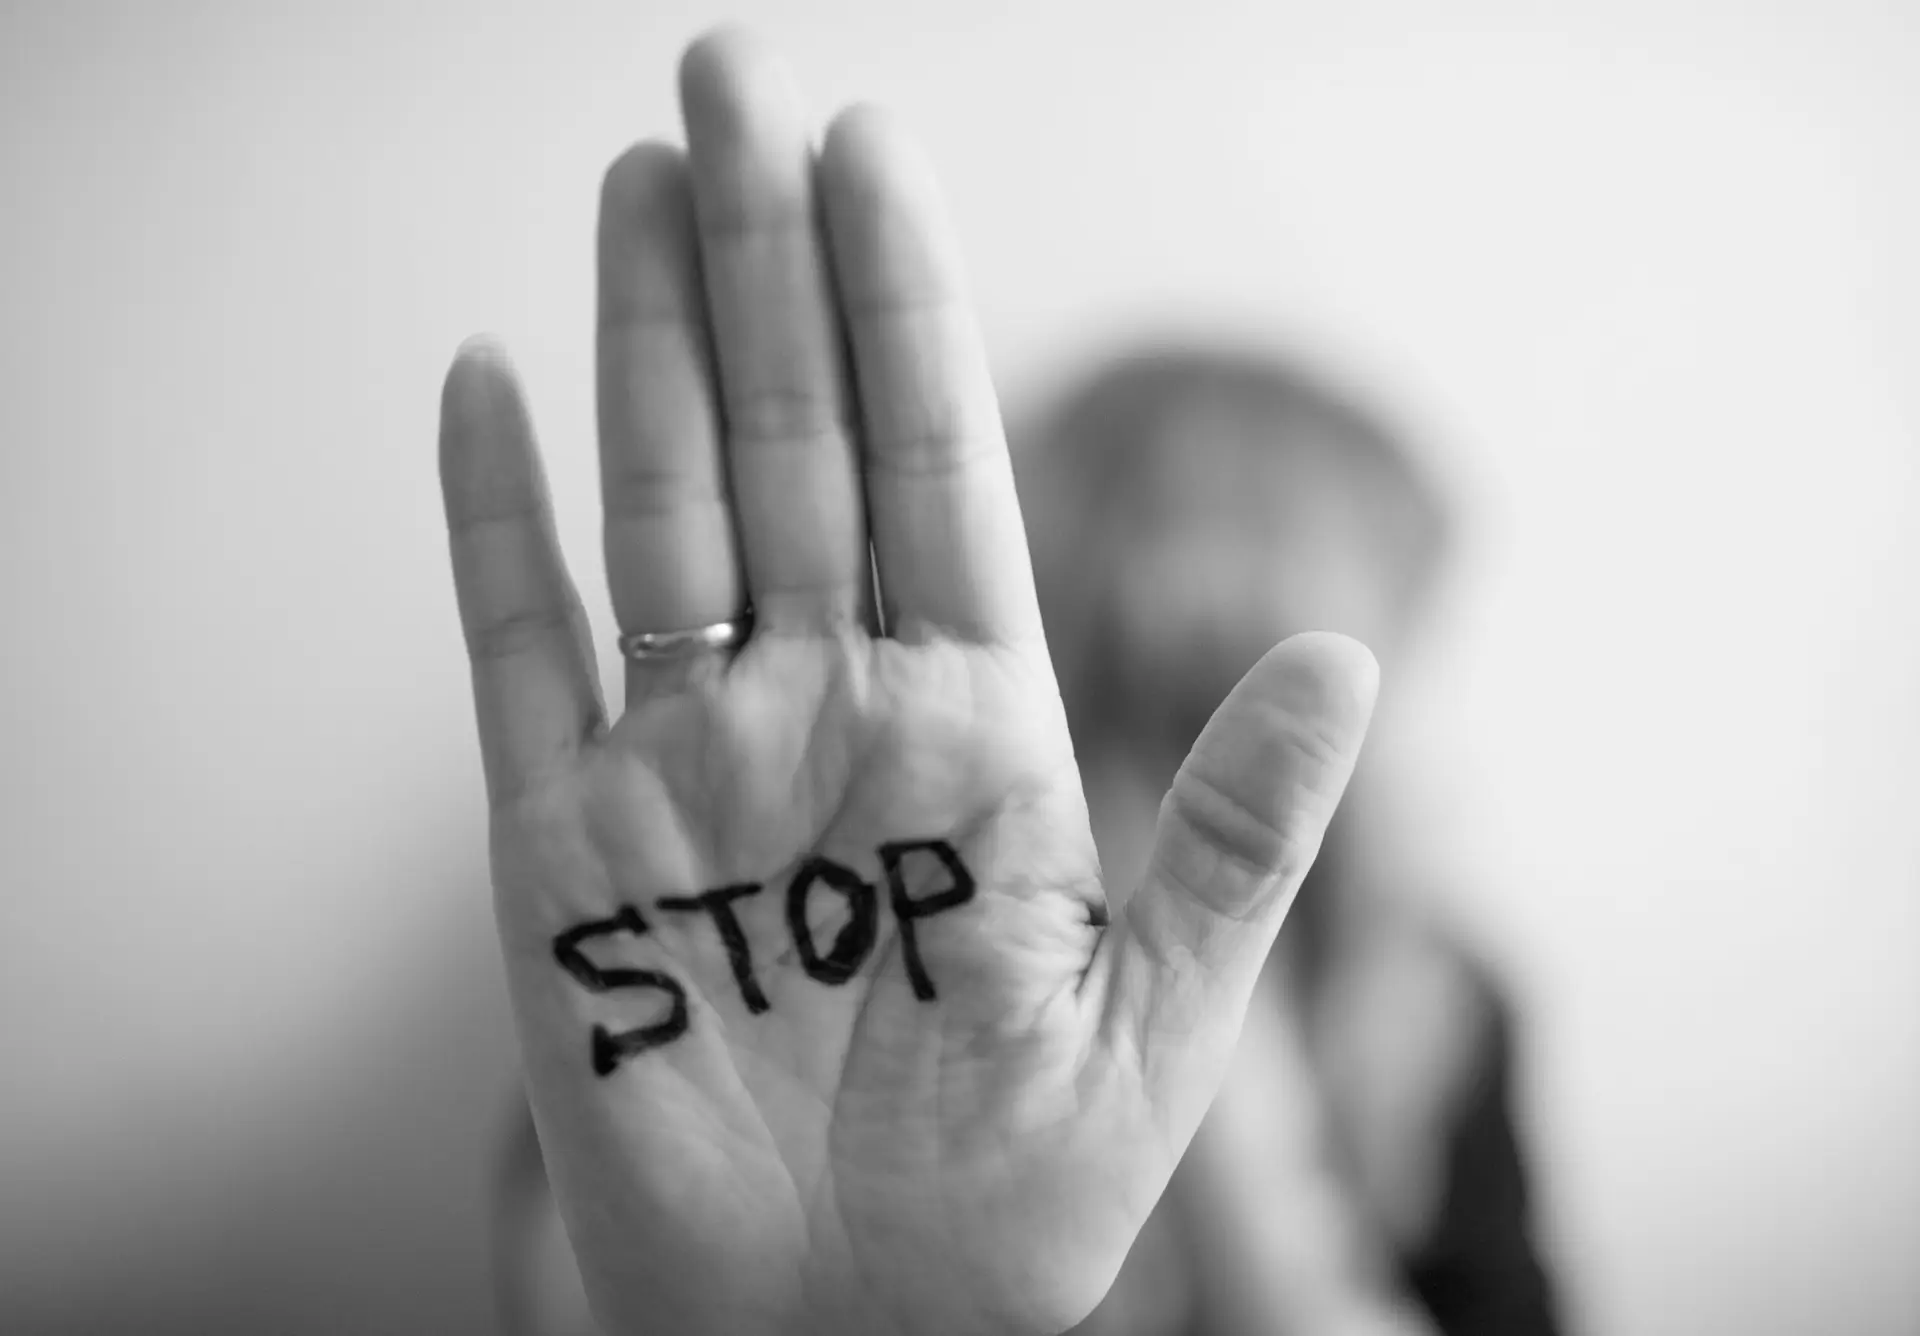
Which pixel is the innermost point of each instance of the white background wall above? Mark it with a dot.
(1647, 274)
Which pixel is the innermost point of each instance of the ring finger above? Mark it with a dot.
(670, 547)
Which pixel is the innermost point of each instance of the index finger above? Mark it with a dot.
(535, 685)
(947, 537)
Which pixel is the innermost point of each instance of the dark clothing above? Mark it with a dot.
(1478, 1272)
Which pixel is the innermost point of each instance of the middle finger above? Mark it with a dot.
(795, 473)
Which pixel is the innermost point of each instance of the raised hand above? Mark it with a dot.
(826, 1024)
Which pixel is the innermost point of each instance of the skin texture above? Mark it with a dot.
(791, 386)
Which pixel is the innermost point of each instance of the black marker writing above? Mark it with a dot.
(609, 1049)
(907, 911)
(854, 940)
(719, 903)
(852, 944)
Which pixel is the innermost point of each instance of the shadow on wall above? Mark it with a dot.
(369, 1217)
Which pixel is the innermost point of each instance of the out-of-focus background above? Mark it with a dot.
(1643, 277)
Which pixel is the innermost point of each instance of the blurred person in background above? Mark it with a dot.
(1359, 1175)
(1188, 507)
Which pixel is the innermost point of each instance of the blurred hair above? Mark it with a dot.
(1085, 469)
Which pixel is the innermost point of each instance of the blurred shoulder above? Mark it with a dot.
(1406, 1026)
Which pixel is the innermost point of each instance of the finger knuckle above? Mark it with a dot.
(784, 415)
(1249, 847)
(507, 635)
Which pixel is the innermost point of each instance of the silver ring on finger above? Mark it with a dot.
(652, 646)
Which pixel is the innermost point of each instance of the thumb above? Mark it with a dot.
(1237, 832)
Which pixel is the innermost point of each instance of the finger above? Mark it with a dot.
(668, 529)
(534, 683)
(1237, 832)
(796, 485)
(947, 536)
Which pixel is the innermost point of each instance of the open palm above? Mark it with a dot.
(825, 1022)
